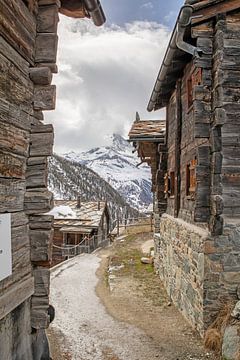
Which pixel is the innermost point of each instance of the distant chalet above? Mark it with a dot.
(79, 227)
(148, 137)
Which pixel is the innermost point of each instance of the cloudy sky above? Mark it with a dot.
(106, 74)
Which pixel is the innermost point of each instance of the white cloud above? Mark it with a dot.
(147, 5)
(105, 75)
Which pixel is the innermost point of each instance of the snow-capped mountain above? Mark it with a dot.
(68, 179)
(117, 165)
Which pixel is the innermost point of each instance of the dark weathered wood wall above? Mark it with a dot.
(25, 142)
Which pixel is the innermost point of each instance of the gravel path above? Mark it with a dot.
(91, 333)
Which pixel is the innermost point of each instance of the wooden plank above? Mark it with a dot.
(44, 97)
(12, 165)
(18, 27)
(231, 156)
(47, 19)
(11, 195)
(41, 245)
(41, 75)
(13, 56)
(203, 30)
(14, 115)
(231, 197)
(41, 144)
(39, 313)
(202, 112)
(13, 139)
(216, 163)
(201, 130)
(41, 281)
(38, 201)
(36, 176)
(203, 155)
(52, 66)
(42, 160)
(49, 2)
(213, 10)
(20, 238)
(14, 86)
(19, 219)
(46, 48)
(42, 128)
(16, 295)
(41, 222)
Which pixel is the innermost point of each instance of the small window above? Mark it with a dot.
(191, 178)
(166, 184)
(169, 184)
(172, 183)
(197, 77)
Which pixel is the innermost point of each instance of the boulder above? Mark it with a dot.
(145, 260)
(231, 343)
(236, 311)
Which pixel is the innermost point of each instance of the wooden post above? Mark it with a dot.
(75, 249)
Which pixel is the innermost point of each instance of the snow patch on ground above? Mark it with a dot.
(82, 318)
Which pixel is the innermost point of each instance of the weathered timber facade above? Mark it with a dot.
(198, 243)
(78, 227)
(28, 47)
(148, 139)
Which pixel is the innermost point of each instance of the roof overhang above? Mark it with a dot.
(83, 8)
(181, 47)
(75, 230)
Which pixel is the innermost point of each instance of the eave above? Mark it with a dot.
(177, 56)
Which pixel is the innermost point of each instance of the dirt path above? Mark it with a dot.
(131, 322)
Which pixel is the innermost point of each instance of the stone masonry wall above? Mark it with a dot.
(180, 249)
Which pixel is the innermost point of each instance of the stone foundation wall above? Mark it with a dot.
(180, 262)
(201, 273)
(221, 269)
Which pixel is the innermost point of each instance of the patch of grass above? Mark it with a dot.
(129, 254)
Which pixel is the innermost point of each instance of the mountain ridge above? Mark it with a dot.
(117, 164)
(68, 179)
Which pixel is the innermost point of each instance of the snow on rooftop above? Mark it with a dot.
(62, 212)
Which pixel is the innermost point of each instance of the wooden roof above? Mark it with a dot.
(82, 9)
(89, 215)
(203, 11)
(147, 129)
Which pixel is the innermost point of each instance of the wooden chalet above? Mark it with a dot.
(148, 138)
(28, 49)
(197, 242)
(78, 227)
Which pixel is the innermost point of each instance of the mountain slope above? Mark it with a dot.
(67, 179)
(117, 165)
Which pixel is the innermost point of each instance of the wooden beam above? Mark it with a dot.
(40, 75)
(16, 295)
(215, 9)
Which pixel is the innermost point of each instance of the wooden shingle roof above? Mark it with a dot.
(147, 129)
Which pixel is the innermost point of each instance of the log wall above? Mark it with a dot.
(201, 270)
(26, 64)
